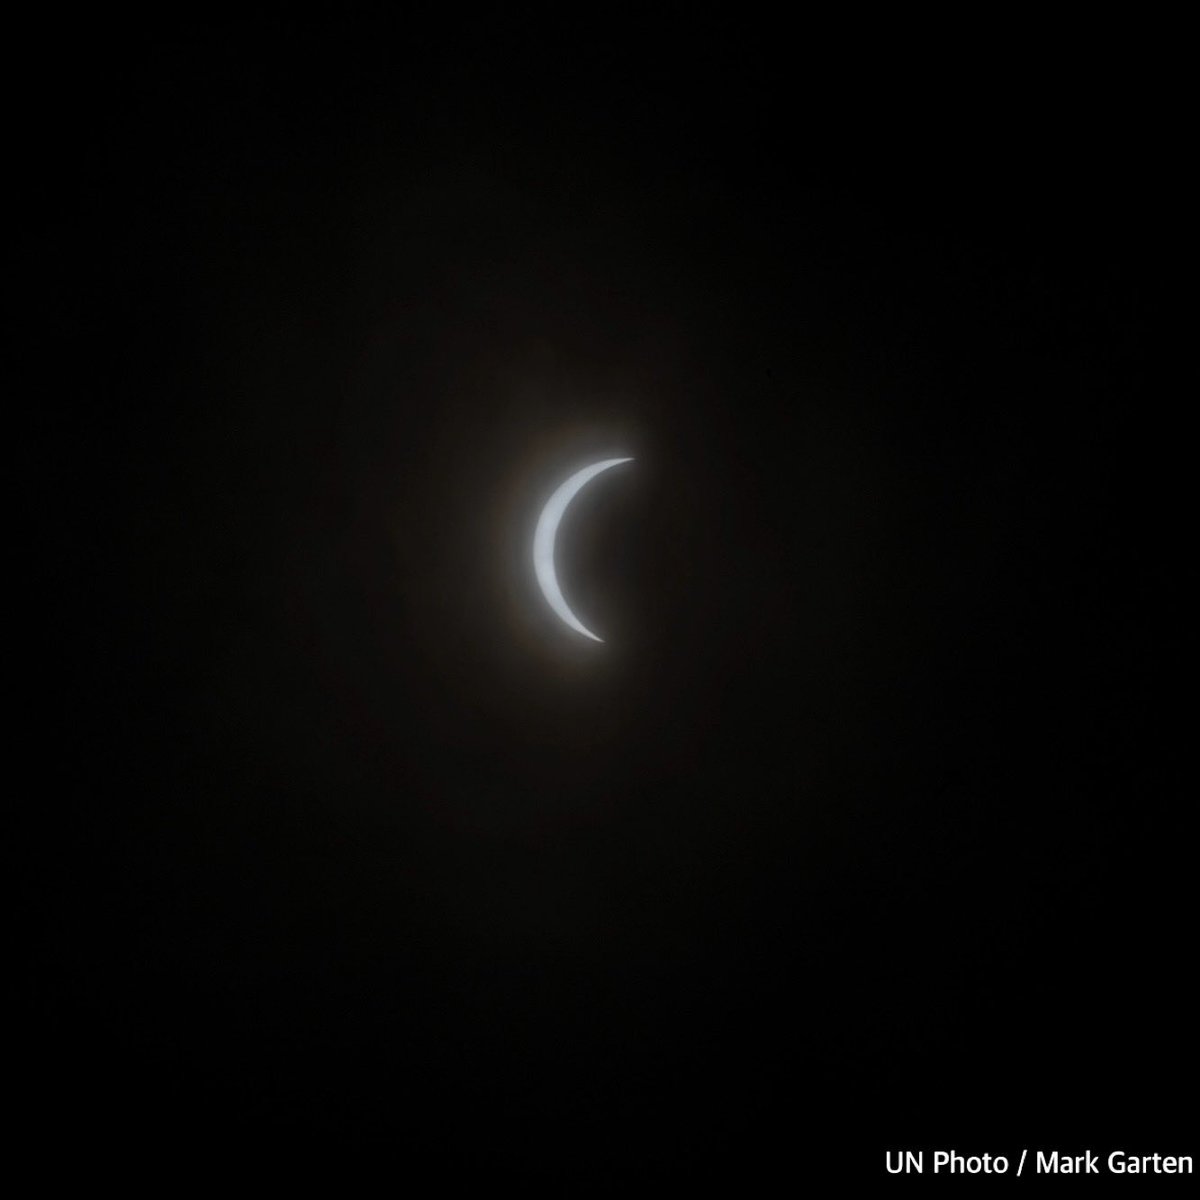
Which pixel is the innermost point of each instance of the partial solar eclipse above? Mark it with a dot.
(547, 531)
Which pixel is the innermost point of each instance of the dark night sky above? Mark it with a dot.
(865, 829)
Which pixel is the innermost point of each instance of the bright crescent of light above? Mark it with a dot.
(547, 530)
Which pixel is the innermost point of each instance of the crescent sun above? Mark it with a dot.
(547, 531)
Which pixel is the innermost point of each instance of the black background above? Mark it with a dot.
(864, 829)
